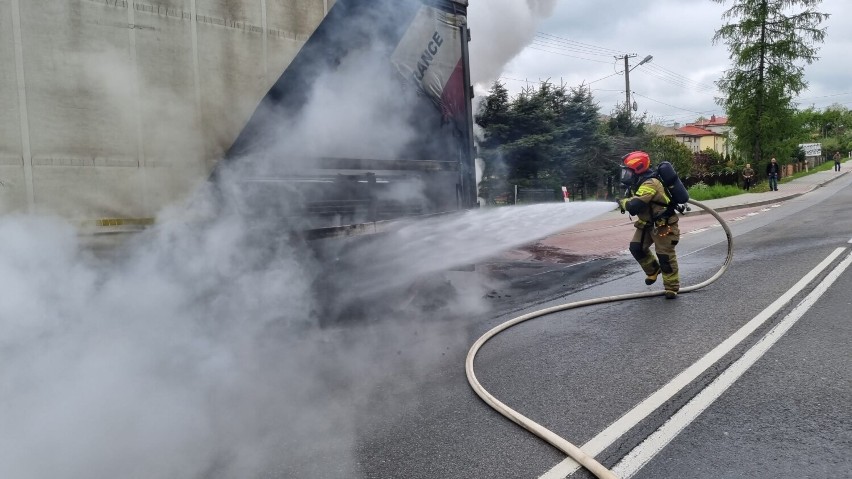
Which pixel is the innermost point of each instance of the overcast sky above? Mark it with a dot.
(575, 41)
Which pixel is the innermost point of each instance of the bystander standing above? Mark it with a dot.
(748, 176)
(773, 171)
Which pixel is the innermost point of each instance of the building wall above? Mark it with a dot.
(691, 142)
(116, 108)
(706, 142)
(714, 142)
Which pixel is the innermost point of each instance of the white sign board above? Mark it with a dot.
(812, 149)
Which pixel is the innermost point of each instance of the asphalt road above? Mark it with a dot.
(577, 372)
(194, 351)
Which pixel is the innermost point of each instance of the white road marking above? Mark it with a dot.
(639, 412)
(650, 447)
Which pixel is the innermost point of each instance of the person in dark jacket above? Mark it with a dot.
(773, 171)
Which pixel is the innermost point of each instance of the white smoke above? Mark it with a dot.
(500, 29)
(150, 366)
(193, 351)
(358, 127)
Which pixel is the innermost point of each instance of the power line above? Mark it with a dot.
(569, 48)
(522, 81)
(823, 96)
(678, 81)
(603, 78)
(666, 104)
(575, 44)
(686, 117)
(690, 115)
(557, 45)
(678, 76)
(566, 54)
(539, 82)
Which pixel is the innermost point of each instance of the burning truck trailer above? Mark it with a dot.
(369, 125)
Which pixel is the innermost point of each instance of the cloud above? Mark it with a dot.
(679, 36)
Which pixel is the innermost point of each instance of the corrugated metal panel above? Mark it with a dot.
(113, 109)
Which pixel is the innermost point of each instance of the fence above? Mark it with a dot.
(736, 178)
(609, 189)
(521, 195)
(537, 195)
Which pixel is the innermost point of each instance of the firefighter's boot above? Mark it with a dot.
(651, 267)
(671, 278)
(652, 278)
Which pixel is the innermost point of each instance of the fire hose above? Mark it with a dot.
(589, 462)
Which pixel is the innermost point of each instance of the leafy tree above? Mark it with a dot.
(708, 161)
(544, 137)
(531, 147)
(767, 41)
(494, 116)
(623, 123)
(584, 147)
(627, 132)
(666, 148)
(831, 126)
(835, 121)
(518, 140)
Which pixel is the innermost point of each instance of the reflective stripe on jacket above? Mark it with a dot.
(649, 200)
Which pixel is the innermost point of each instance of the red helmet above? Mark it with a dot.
(637, 161)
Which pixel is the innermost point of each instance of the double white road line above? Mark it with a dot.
(651, 446)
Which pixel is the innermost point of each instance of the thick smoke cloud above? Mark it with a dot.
(153, 366)
(500, 30)
(195, 350)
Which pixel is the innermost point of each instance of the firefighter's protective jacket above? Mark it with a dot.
(649, 203)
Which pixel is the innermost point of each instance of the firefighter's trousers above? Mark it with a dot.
(664, 238)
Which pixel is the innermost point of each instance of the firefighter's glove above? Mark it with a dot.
(622, 205)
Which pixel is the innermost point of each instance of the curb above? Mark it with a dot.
(767, 202)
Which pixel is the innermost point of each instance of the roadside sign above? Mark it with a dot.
(811, 149)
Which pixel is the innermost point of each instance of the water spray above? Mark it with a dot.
(547, 435)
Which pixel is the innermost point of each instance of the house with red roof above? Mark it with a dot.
(714, 134)
(717, 124)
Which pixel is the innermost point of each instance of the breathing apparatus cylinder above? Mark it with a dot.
(669, 177)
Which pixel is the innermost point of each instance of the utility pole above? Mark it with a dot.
(627, 82)
(626, 57)
(627, 70)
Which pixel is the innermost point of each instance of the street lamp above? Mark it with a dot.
(627, 71)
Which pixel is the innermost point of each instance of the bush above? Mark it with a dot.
(702, 192)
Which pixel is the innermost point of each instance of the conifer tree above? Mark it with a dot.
(768, 43)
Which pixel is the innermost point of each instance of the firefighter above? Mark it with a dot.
(656, 222)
